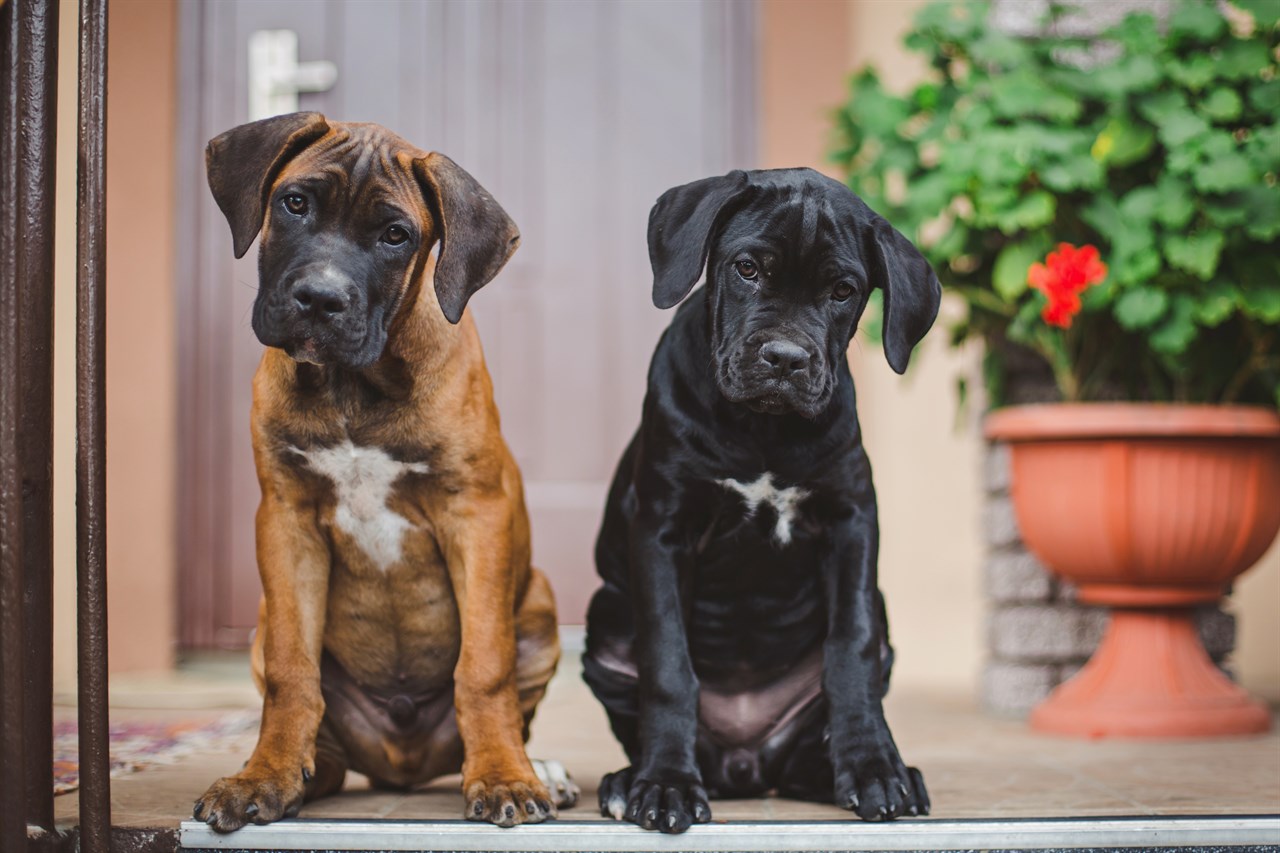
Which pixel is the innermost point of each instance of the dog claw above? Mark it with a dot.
(196, 808)
(306, 775)
(251, 810)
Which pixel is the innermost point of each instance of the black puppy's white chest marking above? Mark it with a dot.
(785, 502)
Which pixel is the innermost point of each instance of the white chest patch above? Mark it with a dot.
(362, 480)
(762, 492)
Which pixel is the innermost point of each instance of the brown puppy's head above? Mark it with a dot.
(348, 215)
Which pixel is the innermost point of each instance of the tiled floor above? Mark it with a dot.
(975, 767)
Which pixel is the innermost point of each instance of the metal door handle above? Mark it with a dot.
(276, 77)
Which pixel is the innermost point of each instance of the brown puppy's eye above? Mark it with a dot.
(295, 204)
(842, 291)
(747, 269)
(395, 235)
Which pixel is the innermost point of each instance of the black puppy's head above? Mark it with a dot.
(791, 257)
(348, 215)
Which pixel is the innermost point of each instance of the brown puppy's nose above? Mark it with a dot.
(784, 357)
(321, 301)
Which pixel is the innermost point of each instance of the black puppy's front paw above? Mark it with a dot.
(669, 801)
(876, 785)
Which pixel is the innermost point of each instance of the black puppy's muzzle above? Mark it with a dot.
(776, 373)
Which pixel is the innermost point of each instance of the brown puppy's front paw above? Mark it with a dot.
(508, 803)
(250, 796)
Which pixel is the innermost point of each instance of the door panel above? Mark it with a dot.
(576, 116)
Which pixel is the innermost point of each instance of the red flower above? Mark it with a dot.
(1063, 276)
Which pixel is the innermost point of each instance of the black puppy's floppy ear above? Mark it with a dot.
(476, 235)
(243, 163)
(911, 290)
(680, 229)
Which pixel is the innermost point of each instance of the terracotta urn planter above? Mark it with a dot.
(1149, 509)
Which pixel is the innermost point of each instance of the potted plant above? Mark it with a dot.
(1106, 205)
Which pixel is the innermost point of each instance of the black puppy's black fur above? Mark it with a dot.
(739, 543)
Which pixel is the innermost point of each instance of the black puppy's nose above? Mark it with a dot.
(320, 300)
(784, 357)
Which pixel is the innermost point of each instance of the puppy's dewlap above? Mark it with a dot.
(363, 478)
(785, 502)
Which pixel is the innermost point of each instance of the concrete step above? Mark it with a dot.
(1242, 833)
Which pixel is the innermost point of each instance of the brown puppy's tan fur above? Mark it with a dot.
(448, 615)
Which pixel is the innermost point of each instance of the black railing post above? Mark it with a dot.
(13, 801)
(37, 160)
(91, 430)
(28, 126)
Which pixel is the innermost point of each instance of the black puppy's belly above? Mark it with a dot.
(751, 740)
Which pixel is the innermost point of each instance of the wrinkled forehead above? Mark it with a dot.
(799, 223)
(363, 166)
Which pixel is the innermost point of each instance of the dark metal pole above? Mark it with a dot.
(37, 157)
(13, 805)
(91, 430)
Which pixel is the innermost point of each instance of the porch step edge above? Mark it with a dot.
(1256, 831)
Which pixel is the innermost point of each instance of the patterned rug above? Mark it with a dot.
(135, 746)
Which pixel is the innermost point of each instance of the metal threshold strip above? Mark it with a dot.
(743, 837)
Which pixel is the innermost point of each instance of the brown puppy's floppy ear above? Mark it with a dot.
(680, 229)
(243, 163)
(476, 235)
(911, 290)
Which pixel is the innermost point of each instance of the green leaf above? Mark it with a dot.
(1140, 307)
(1265, 97)
(1265, 12)
(1261, 301)
(1263, 148)
(1135, 266)
(1009, 275)
(1160, 106)
(1141, 203)
(1177, 332)
(1197, 20)
(1215, 304)
(1262, 204)
(996, 48)
(1138, 32)
(1122, 141)
(1194, 253)
(1082, 173)
(1130, 74)
(1230, 171)
(1024, 93)
(1241, 58)
(1179, 128)
(1035, 209)
(1194, 73)
(1225, 211)
(1222, 105)
(1175, 207)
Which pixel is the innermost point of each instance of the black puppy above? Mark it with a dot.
(739, 642)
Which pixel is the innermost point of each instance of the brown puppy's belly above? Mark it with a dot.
(392, 639)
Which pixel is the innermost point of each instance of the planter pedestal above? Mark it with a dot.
(1150, 677)
(1149, 509)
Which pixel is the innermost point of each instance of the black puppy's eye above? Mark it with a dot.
(747, 269)
(395, 235)
(842, 291)
(295, 204)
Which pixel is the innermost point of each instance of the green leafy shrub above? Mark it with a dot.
(1156, 141)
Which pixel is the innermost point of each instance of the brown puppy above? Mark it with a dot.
(402, 632)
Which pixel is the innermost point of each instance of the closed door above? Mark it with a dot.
(576, 116)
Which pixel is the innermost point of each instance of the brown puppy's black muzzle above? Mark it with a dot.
(317, 315)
